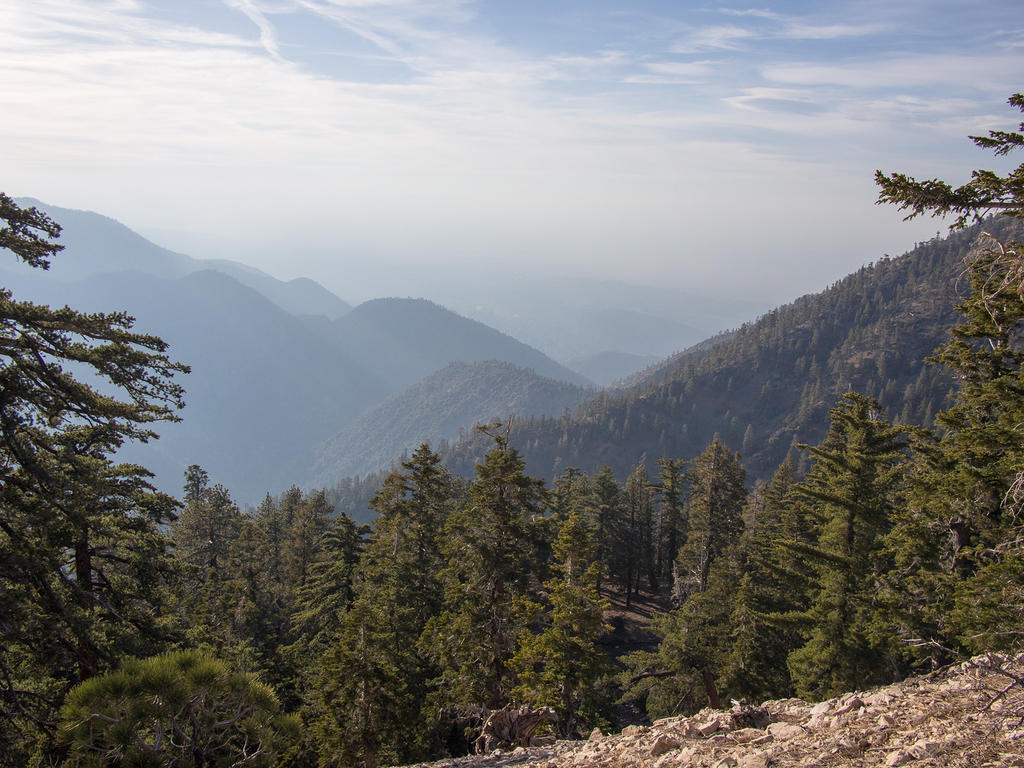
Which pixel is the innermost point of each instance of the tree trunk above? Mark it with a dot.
(710, 688)
(87, 666)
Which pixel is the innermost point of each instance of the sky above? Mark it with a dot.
(716, 147)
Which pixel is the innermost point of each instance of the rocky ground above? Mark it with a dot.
(966, 716)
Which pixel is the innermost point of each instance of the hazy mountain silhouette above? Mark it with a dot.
(606, 368)
(95, 244)
(403, 340)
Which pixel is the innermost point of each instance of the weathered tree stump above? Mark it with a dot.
(512, 727)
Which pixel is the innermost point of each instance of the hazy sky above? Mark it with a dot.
(693, 144)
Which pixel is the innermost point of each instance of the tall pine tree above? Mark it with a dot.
(852, 490)
(492, 549)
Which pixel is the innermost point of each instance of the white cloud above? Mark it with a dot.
(268, 37)
(990, 71)
(803, 31)
(749, 97)
(682, 69)
(761, 13)
(722, 38)
(672, 73)
(774, 26)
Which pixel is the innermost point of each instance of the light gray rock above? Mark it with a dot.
(664, 744)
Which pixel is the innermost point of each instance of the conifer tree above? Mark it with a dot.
(329, 589)
(203, 535)
(852, 489)
(359, 692)
(176, 709)
(957, 545)
(371, 690)
(685, 672)
(638, 535)
(206, 526)
(714, 513)
(561, 666)
(82, 558)
(695, 638)
(609, 523)
(304, 540)
(762, 632)
(492, 553)
(275, 557)
(672, 526)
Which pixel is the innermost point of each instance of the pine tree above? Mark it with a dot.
(762, 631)
(398, 589)
(684, 673)
(672, 525)
(695, 638)
(359, 692)
(637, 537)
(183, 708)
(83, 562)
(203, 535)
(329, 589)
(714, 512)
(304, 540)
(561, 666)
(957, 545)
(207, 525)
(490, 580)
(609, 522)
(851, 490)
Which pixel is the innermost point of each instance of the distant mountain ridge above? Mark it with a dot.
(420, 337)
(103, 245)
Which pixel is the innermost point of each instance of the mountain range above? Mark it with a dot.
(291, 385)
(281, 368)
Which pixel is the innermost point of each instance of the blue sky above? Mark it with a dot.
(713, 146)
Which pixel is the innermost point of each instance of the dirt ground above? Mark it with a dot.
(631, 631)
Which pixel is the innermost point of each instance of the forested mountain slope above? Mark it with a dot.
(437, 408)
(770, 383)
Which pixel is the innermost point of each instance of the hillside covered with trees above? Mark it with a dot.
(770, 384)
(439, 407)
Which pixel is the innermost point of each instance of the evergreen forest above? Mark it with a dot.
(825, 499)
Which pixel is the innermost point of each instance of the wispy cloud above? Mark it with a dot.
(719, 38)
(761, 13)
(672, 73)
(475, 139)
(767, 25)
(991, 71)
(268, 37)
(750, 97)
(804, 31)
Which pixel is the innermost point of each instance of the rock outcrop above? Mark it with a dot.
(970, 715)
